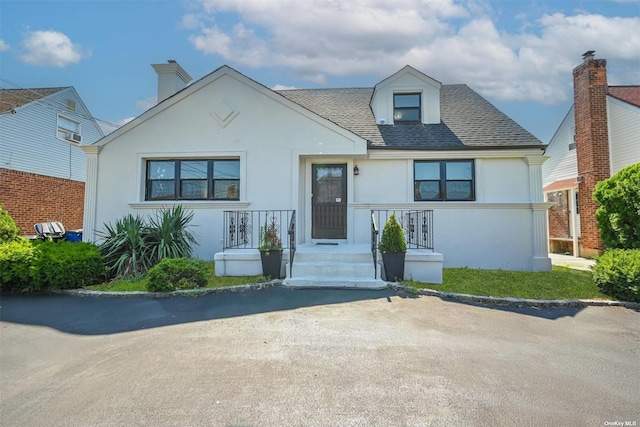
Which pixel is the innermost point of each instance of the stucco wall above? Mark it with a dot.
(277, 142)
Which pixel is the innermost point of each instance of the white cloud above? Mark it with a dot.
(145, 104)
(125, 121)
(4, 46)
(283, 87)
(448, 40)
(50, 48)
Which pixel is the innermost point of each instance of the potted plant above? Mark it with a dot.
(270, 249)
(393, 247)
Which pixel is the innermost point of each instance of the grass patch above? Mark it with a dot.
(213, 282)
(560, 283)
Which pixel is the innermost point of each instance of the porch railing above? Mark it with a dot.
(242, 228)
(374, 244)
(292, 241)
(417, 226)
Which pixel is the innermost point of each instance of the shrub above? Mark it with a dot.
(619, 213)
(269, 238)
(617, 273)
(171, 274)
(125, 249)
(131, 246)
(9, 231)
(393, 239)
(16, 261)
(63, 265)
(169, 235)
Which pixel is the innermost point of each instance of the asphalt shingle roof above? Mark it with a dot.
(348, 108)
(628, 94)
(467, 120)
(14, 98)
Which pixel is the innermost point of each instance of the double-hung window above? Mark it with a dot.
(439, 180)
(193, 179)
(406, 107)
(68, 129)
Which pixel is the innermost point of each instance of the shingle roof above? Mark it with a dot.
(628, 94)
(14, 98)
(477, 122)
(467, 120)
(348, 108)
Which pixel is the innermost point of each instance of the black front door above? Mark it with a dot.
(329, 201)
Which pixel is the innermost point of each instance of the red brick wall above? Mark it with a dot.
(31, 198)
(592, 144)
(559, 215)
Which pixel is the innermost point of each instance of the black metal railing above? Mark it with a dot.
(241, 229)
(417, 225)
(374, 244)
(292, 241)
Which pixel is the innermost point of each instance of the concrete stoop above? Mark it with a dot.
(333, 266)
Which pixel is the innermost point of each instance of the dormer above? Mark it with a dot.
(408, 96)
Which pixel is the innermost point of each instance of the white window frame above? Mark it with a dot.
(61, 131)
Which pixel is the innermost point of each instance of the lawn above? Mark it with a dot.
(560, 283)
(141, 284)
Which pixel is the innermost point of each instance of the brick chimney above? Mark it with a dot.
(592, 144)
(172, 78)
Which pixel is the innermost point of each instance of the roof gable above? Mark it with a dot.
(405, 71)
(10, 99)
(212, 77)
(465, 120)
(408, 80)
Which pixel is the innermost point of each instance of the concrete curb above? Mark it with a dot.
(87, 293)
(472, 299)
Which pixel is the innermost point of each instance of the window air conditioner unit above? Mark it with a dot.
(75, 137)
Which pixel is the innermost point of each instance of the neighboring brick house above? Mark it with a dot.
(599, 136)
(42, 168)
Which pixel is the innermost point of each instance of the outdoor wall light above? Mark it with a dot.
(356, 171)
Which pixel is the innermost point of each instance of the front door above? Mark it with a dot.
(329, 201)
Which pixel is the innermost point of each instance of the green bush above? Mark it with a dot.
(9, 231)
(617, 273)
(619, 213)
(169, 235)
(393, 239)
(132, 246)
(125, 248)
(63, 265)
(16, 261)
(172, 274)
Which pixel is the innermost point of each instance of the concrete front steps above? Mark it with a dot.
(333, 266)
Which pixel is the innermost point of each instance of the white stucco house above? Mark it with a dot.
(463, 177)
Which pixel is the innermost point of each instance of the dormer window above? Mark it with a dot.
(406, 107)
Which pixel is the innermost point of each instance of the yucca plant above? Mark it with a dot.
(169, 235)
(125, 247)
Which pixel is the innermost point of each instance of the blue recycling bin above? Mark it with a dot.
(73, 236)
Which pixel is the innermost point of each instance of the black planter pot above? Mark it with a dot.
(271, 263)
(393, 266)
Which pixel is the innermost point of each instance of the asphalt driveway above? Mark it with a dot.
(313, 357)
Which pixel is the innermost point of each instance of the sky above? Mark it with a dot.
(518, 54)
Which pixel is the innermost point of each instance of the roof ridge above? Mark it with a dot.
(37, 88)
